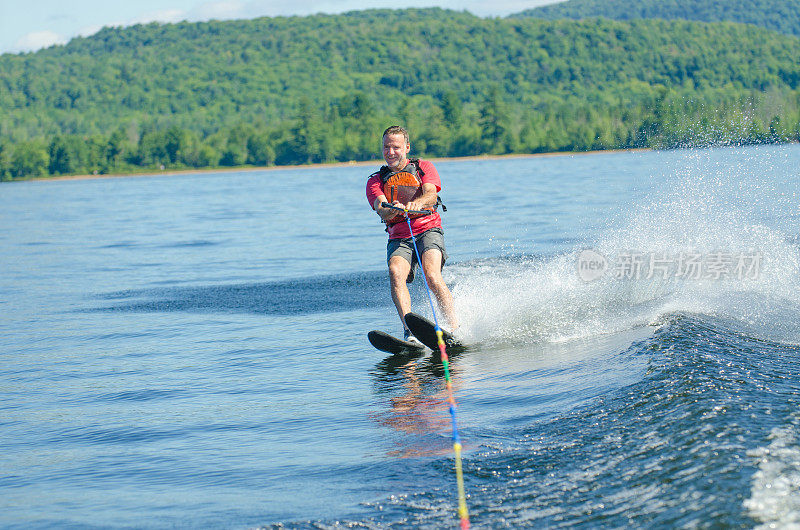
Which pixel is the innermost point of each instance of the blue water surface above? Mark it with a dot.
(190, 350)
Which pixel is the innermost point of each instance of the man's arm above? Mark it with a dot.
(384, 213)
(426, 201)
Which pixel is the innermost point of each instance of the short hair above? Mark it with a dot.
(396, 129)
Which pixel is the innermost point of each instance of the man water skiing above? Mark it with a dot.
(412, 185)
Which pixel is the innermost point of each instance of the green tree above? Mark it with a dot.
(152, 150)
(176, 141)
(118, 149)
(68, 155)
(5, 161)
(203, 155)
(307, 134)
(235, 153)
(452, 112)
(259, 150)
(29, 159)
(495, 123)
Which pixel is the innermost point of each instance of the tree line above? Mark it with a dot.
(777, 15)
(330, 134)
(301, 90)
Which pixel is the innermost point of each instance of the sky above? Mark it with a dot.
(28, 25)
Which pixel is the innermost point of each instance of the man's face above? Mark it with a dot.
(395, 151)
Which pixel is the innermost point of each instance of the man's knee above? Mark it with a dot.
(432, 262)
(398, 269)
(436, 281)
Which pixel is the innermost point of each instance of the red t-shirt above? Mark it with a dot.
(418, 224)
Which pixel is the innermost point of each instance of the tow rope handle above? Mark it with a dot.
(415, 212)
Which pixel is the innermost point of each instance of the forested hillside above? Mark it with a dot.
(321, 88)
(777, 15)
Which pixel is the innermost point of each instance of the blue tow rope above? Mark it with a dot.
(462, 503)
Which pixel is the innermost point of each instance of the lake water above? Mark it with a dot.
(190, 351)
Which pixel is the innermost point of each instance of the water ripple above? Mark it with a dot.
(303, 296)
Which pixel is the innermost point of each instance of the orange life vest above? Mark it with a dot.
(403, 186)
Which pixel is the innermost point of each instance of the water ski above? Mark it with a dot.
(385, 342)
(425, 331)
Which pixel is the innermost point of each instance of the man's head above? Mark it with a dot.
(396, 147)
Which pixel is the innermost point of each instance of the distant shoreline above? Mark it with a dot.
(376, 162)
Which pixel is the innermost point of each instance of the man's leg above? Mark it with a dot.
(432, 265)
(399, 267)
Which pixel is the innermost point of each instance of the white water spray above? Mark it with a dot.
(723, 208)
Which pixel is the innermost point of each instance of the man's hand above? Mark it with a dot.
(384, 212)
(427, 201)
(396, 204)
(420, 205)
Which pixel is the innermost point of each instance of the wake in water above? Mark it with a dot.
(620, 396)
(681, 447)
(708, 433)
(713, 239)
(774, 500)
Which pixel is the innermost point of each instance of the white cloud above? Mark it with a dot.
(39, 39)
(237, 9)
(91, 30)
(164, 16)
(219, 10)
